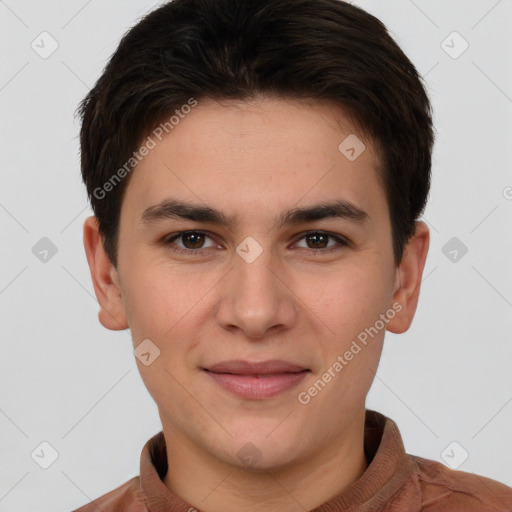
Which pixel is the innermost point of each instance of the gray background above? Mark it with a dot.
(68, 381)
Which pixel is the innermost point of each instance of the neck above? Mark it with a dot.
(215, 486)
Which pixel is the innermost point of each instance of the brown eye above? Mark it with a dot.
(320, 241)
(192, 240)
(317, 240)
(189, 242)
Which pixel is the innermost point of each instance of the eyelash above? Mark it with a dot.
(168, 242)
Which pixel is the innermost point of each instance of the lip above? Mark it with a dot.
(258, 380)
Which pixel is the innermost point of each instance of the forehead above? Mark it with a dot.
(262, 153)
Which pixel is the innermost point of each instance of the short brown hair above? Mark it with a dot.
(236, 49)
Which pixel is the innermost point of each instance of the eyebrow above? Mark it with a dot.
(173, 209)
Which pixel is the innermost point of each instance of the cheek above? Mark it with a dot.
(170, 309)
(350, 304)
(346, 300)
(156, 300)
(162, 305)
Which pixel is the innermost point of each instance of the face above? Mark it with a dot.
(268, 311)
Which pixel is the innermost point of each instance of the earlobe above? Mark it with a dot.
(104, 278)
(408, 278)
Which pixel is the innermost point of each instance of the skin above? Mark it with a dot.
(257, 159)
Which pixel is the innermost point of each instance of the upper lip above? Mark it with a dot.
(240, 367)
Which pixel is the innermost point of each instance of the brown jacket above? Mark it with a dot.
(393, 482)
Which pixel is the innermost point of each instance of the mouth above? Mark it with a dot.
(256, 381)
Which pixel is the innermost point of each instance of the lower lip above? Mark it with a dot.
(253, 387)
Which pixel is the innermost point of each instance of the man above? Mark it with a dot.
(256, 170)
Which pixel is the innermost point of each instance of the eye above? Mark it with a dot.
(318, 241)
(193, 242)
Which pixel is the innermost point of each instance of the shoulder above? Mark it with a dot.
(125, 498)
(447, 490)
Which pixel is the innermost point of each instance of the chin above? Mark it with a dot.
(262, 459)
(263, 446)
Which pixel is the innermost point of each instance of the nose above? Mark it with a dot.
(256, 298)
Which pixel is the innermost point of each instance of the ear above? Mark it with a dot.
(408, 278)
(104, 278)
